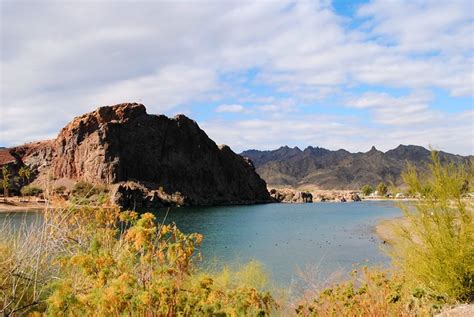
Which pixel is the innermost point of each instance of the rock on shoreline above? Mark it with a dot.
(288, 195)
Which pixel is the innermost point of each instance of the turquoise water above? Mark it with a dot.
(286, 238)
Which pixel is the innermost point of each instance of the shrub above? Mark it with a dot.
(369, 292)
(85, 193)
(60, 190)
(84, 189)
(31, 191)
(97, 261)
(436, 246)
(367, 190)
(147, 270)
(382, 189)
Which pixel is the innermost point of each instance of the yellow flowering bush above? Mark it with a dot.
(110, 263)
(91, 261)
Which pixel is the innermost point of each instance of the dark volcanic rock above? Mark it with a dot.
(355, 197)
(123, 143)
(132, 195)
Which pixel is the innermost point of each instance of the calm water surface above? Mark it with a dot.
(284, 237)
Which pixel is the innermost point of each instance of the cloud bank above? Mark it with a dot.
(254, 75)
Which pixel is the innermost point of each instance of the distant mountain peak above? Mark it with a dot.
(286, 147)
(325, 169)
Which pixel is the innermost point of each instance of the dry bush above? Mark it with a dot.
(369, 292)
(91, 261)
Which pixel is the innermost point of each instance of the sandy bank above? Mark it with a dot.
(13, 204)
(386, 229)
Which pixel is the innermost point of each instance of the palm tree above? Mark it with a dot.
(6, 181)
(24, 172)
(382, 189)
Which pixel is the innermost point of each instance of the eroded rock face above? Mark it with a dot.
(123, 143)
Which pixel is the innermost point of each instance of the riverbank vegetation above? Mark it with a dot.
(103, 262)
(99, 261)
(436, 247)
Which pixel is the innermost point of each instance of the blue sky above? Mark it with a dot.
(336, 74)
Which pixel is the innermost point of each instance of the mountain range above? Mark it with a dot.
(319, 168)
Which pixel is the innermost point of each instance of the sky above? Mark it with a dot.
(253, 74)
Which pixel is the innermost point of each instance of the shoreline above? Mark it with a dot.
(18, 204)
(23, 206)
(385, 228)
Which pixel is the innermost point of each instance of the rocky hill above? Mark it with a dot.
(152, 160)
(320, 168)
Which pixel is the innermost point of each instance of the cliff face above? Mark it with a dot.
(123, 143)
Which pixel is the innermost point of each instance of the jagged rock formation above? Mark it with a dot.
(171, 159)
(320, 168)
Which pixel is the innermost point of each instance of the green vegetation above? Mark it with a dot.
(367, 190)
(86, 193)
(86, 190)
(382, 189)
(6, 180)
(31, 191)
(25, 173)
(60, 190)
(436, 248)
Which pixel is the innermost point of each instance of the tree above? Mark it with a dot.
(6, 180)
(24, 173)
(382, 189)
(367, 190)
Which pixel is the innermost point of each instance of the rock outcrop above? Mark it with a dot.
(291, 196)
(169, 160)
(335, 195)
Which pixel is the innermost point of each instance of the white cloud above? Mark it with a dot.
(170, 55)
(165, 89)
(421, 26)
(405, 110)
(336, 132)
(230, 108)
(269, 108)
